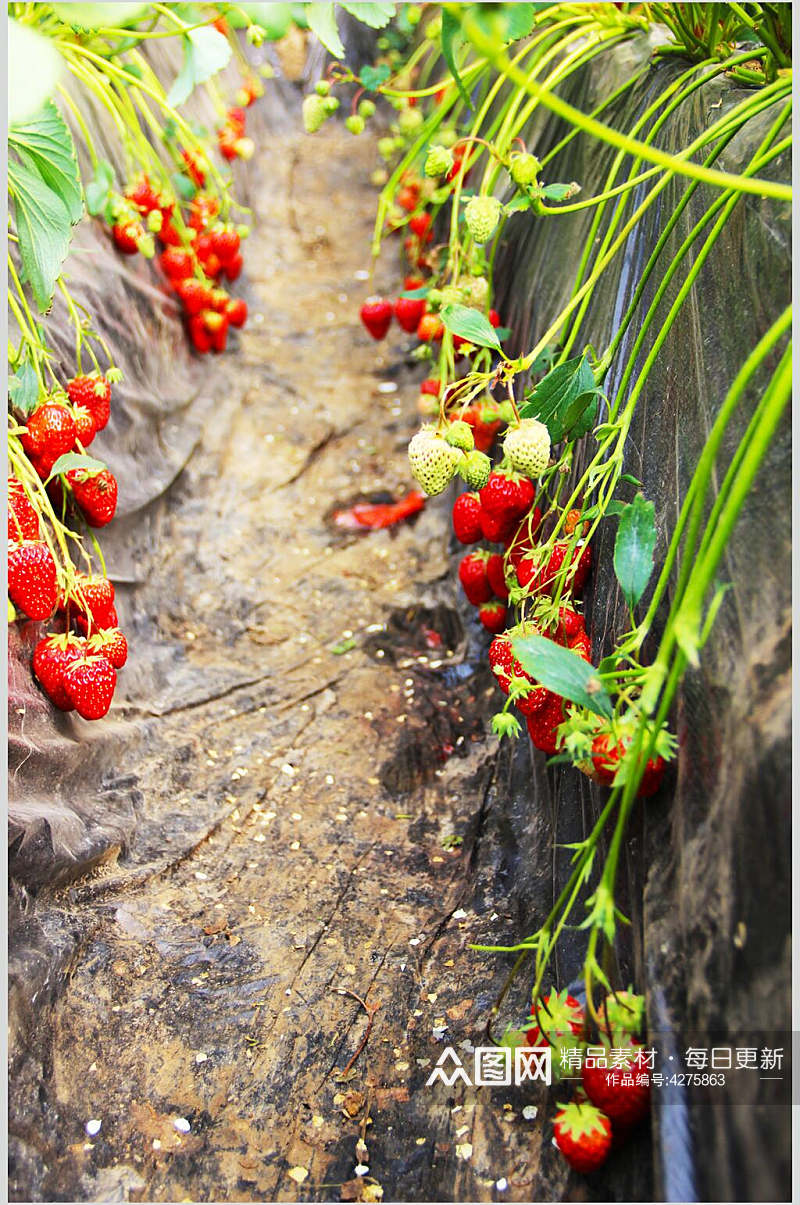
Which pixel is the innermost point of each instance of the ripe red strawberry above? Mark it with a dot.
(408, 311)
(431, 386)
(111, 643)
(143, 196)
(50, 432)
(217, 327)
(32, 580)
(194, 295)
(505, 667)
(377, 317)
(23, 521)
(233, 267)
(606, 756)
(93, 596)
(95, 493)
(51, 657)
(195, 169)
(495, 530)
(200, 337)
(85, 428)
(127, 236)
(495, 571)
(570, 623)
(408, 197)
(472, 575)
(168, 235)
(615, 1090)
(543, 725)
(467, 518)
(236, 311)
(177, 263)
(421, 225)
(95, 394)
(413, 282)
(581, 644)
(583, 1135)
(507, 496)
(493, 616)
(494, 318)
(89, 684)
(226, 243)
(430, 328)
(558, 1014)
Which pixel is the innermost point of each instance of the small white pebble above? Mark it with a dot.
(181, 1125)
(361, 1169)
(200, 1057)
(93, 1127)
(501, 1185)
(530, 1112)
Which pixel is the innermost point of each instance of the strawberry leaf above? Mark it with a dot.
(34, 67)
(43, 229)
(205, 52)
(469, 324)
(559, 192)
(372, 77)
(23, 389)
(72, 460)
(322, 22)
(376, 16)
(634, 547)
(274, 19)
(562, 671)
(45, 145)
(561, 398)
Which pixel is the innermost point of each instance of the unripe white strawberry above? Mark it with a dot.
(438, 161)
(477, 290)
(314, 113)
(433, 462)
(475, 469)
(527, 447)
(482, 215)
(459, 435)
(523, 168)
(409, 120)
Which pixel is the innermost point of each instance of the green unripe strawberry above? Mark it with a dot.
(438, 161)
(527, 447)
(476, 469)
(448, 138)
(331, 104)
(434, 298)
(314, 113)
(523, 168)
(505, 412)
(409, 120)
(482, 215)
(452, 295)
(386, 147)
(355, 124)
(366, 109)
(433, 462)
(322, 87)
(459, 435)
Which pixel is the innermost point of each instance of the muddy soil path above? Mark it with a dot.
(320, 715)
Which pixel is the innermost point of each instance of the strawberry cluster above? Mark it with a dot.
(196, 255)
(69, 424)
(76, 666)
(614, 1091)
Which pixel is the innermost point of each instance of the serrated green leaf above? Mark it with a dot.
(452, 40)
(416, 294)
(372, 77)
(184, 187)
(561, 398)
(470, 324)
(45, 145)
(34, 68)
(205, 52)
(23, 389)
(559, 192)
(562, 671)
(519, 202)
(73, 460)
(614, 507)
(634, 547)
(502, 332)
(274, 19)
(376, 16)
(322, 22)
(43, 229)
(98, 190)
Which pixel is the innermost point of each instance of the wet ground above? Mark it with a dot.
(252, 995)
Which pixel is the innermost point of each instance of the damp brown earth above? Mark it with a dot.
(256, 990)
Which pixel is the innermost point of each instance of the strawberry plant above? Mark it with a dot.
(456, 168)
